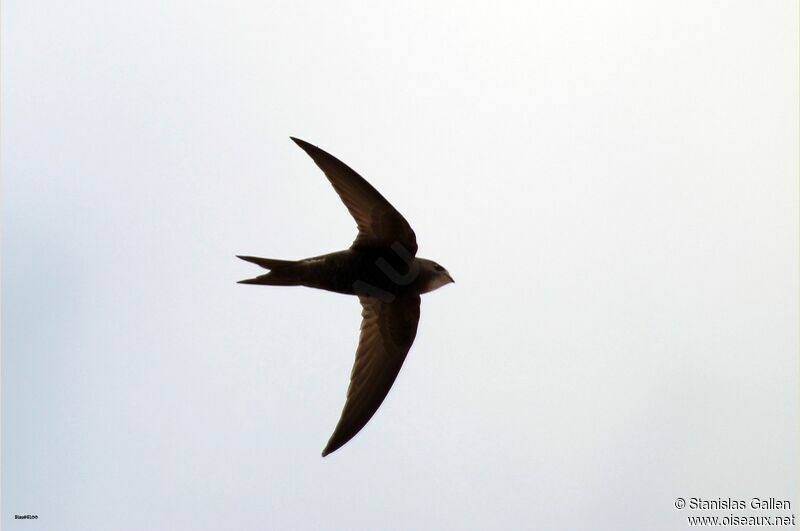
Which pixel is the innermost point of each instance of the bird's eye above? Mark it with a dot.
(437, 267)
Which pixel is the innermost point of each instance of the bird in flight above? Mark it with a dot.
(381, 269)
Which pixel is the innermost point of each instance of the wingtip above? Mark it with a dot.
(330, 448)
(305, 146)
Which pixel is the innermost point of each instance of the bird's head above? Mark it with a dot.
(434, 276)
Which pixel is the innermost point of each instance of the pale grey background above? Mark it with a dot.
(614, 186)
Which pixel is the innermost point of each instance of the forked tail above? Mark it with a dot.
(282, 272)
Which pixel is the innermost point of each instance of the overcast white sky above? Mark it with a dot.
(613, 185)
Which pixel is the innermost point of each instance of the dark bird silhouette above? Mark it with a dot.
(380, 268)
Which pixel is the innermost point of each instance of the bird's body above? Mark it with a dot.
(381, 269)
(351, 272)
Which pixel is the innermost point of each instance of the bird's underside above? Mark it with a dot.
(381, 270)
(371, 272)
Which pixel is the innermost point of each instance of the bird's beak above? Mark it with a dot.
(451, 278)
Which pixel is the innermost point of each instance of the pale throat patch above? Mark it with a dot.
(436, 282)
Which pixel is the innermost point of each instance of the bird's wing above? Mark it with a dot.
(378, 221)
(387, 332)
